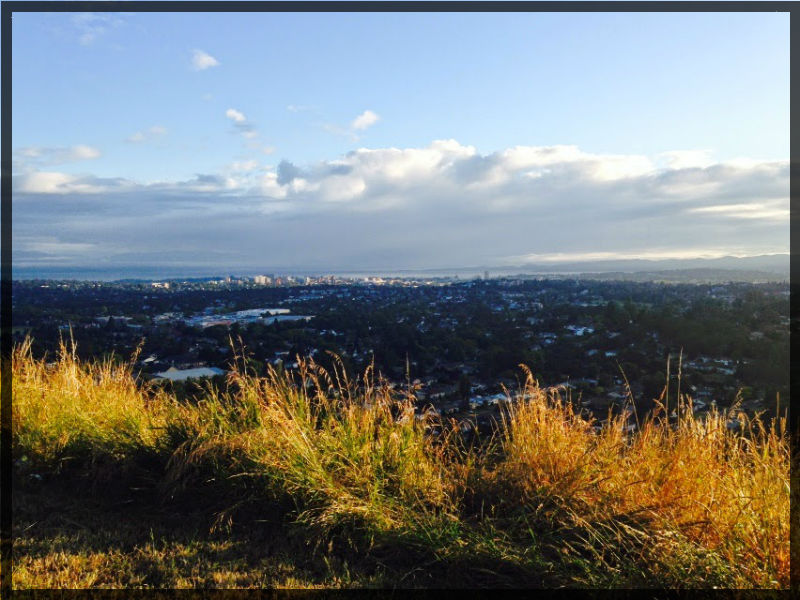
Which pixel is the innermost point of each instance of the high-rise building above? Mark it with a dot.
(486, 275)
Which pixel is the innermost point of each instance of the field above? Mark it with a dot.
(314, 479)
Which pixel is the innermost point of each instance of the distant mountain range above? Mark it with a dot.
(769, 263)
(766, 267)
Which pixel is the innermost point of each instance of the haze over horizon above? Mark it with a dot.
(391, 142)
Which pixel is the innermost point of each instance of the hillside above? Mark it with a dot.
(319, 480)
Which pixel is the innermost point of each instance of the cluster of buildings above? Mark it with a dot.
(264, 315)
(274, 280)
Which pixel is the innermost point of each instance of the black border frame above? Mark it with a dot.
(6, 15)
(398, 6)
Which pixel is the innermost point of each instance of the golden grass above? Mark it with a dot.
(65, 408)
(686, 503)
(693, 481)
(350, 452)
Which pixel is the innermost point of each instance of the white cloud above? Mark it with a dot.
(270, 187)
(202, 60)
(684, 159)
(83, 153)
(245, 165)
(364, 120)
(235, 115)
(778, 210)
(337, 188)
(246, 128)
(44, 182)
(442, 204)
(521, 178)
(360, 123)
(56, 155)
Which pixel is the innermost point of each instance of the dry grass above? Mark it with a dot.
(691, 486)
(349, 453)
(66, 410)
(548, 500)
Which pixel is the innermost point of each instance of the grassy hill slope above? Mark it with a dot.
(314, 479)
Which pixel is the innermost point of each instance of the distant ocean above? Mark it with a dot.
(773, 263)
(116, 273)
(157, 273)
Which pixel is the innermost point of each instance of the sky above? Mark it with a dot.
(384, 141)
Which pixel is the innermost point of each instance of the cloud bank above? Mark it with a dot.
(443, 205)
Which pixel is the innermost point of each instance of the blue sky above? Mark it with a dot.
(277, 126)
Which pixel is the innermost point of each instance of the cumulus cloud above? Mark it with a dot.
(364, 120)
(287, 173)
(202, 60)
(445, 204)
(147, 135)
(235, 115)
(360, 123)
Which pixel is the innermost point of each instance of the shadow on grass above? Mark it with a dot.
(123, 533)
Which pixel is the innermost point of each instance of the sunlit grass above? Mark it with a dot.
(68, 410)
(551, 499)
(688, 486)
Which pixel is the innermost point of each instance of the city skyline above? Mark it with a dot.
(406, 141)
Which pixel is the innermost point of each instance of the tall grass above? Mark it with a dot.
(691, 485)
(688, 502)
(350, 453)
(70, 410)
